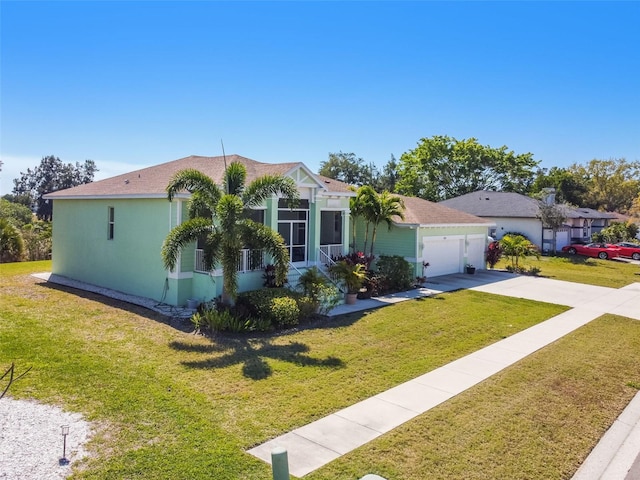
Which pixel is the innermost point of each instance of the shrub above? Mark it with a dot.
(307, 307)
(494, 253)
(215, 320)
(355, 258)
(397, 273)
(264, 305)
(285, 311)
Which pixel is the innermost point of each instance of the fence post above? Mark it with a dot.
(280, 464)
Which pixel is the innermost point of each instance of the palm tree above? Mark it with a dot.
(517, 247)
(219, 215)
(359, 206)
(382, 209)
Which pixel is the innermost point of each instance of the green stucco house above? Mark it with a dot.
(109, 233)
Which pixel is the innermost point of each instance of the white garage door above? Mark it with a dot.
(444, 256)
(562, 239)
(475, 252)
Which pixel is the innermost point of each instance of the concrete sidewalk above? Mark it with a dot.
(318, 443)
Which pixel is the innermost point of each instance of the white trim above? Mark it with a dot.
(309, 173)
(179, 275)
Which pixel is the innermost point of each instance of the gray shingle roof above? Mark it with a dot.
(152, 181)
(485, 203)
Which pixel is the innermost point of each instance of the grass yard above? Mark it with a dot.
(172, 405)
(579, 269)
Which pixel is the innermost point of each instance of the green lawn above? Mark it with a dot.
(172, 405)
(576, 268)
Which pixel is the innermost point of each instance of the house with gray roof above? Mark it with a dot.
(515, 213)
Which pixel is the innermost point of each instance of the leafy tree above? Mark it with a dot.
(219, 215)
(389, 177)
(16, 214)
(612, 185)
(617, 232)
(442, 167)
(570, 188)
(635, 207)
(382, 209)
(51, 175)
(551, 215)
(11, 245)
(348, 168)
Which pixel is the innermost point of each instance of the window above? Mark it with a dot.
(255, 215)
(111, 223)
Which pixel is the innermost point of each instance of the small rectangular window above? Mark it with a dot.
(111, 223)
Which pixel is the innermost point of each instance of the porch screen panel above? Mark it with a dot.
(330, 228)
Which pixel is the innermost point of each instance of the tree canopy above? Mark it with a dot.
(611, 185)
(443, 167)
(348, 168)
(51, 175)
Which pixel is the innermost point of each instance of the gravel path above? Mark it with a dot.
(31, 440)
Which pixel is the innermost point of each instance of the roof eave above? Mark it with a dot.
(112, 196)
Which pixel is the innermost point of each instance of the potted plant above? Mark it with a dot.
(470, 269)
(351, 275)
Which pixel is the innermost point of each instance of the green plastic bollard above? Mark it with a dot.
(280, 464)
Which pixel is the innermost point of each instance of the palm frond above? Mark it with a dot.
(181, 236)
(192, 180)
(258, 191)
(235, 178)
(259, 236)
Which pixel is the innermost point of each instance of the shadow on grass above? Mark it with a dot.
(174, 322)
(253, 354)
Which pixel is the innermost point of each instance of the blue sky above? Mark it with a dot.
(132, 84)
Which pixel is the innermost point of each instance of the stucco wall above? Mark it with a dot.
(530, 227)
(130, 262)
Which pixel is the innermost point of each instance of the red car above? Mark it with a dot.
(599, 250)
(629, 250)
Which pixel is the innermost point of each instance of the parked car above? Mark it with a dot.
(599, 250)
(629, 250)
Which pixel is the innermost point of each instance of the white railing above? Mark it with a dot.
(325, 262)
(330, 252)
(293, 276)
(250, 260)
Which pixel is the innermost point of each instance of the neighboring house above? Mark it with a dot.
(510, 212)
(583, 222)
(515, 213)
(446, 238)
(110, 232)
